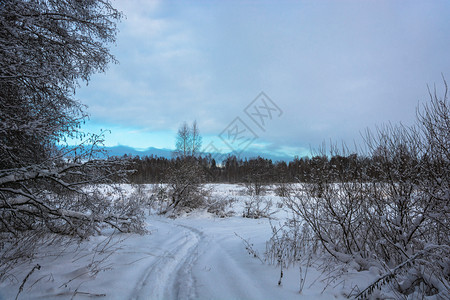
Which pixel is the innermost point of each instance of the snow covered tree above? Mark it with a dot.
(186, 175)
(47, 48)
(185, 178)
(396, 219)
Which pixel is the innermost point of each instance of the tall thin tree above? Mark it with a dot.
(183, 143)
(196, 139)
(189, 141)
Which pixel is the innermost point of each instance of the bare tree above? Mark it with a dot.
(185, 180)
(196, 139)
(259, 175)
(189, 141)
(186, 176)
(184, 141)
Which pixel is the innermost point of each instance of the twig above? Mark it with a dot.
(303, 276)
(37, 266)
(249, 248)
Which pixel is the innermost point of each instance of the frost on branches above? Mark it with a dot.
(391, 215)
(46, 48)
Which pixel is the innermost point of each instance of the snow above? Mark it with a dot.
(195, 256)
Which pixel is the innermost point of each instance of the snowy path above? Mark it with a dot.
(196, 256)
(170, 276)
(202, 258)
(192, 257)
(195, 262)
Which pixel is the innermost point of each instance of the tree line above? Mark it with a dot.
(153, 169)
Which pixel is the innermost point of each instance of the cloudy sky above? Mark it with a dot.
(328, 70)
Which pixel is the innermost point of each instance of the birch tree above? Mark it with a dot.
(189, 141)
(183, 143)
(186, 176)
(196, 140)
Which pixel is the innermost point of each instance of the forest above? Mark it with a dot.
(236, 170)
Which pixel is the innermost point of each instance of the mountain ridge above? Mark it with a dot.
(121, 150)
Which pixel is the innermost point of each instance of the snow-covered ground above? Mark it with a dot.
(195, 256)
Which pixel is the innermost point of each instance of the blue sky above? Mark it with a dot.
(333, 68)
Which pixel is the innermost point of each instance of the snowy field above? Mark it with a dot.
(194, 256)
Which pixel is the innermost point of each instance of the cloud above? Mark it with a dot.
(334, 68)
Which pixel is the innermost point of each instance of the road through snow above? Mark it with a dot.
(202, 258)
(192, 264)
(192, 257)
(169, 276)
(195, 256)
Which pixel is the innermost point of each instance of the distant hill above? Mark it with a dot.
(121, 150)
(167, 153)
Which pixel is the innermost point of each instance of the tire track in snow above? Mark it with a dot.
(184, 284)
(195, 265)
(169, 276)
(228, 279)
(222, 276)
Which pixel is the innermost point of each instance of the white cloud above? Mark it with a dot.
(334, 68)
